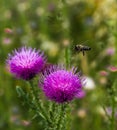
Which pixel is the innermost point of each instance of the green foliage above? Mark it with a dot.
(50, 25)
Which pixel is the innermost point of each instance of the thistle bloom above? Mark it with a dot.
(26, 62)
(81, 94)
(112, 68)
(61, 85)
(110, 51)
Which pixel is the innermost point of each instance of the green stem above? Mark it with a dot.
(106, 113)
(67, 56)
(40, 110)
(61, 122)
(58, 117)
(113, 113)
(113, 105)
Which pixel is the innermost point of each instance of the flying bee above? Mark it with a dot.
(81, 48)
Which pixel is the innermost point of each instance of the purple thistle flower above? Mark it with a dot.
(61, 85)
(81, 94)
(26, 62)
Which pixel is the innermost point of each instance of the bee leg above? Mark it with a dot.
(83, 53)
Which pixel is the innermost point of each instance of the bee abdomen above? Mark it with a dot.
(85, 48)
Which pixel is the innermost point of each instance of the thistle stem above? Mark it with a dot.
(58, 117)
(38, 103)
(67, 56)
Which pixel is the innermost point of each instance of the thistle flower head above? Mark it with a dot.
(26, 62)
(61, 85)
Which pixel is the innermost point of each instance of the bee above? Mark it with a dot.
(82, 48)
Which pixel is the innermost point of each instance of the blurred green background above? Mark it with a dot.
(49, 25)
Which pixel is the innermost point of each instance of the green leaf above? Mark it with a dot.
(20, 91)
